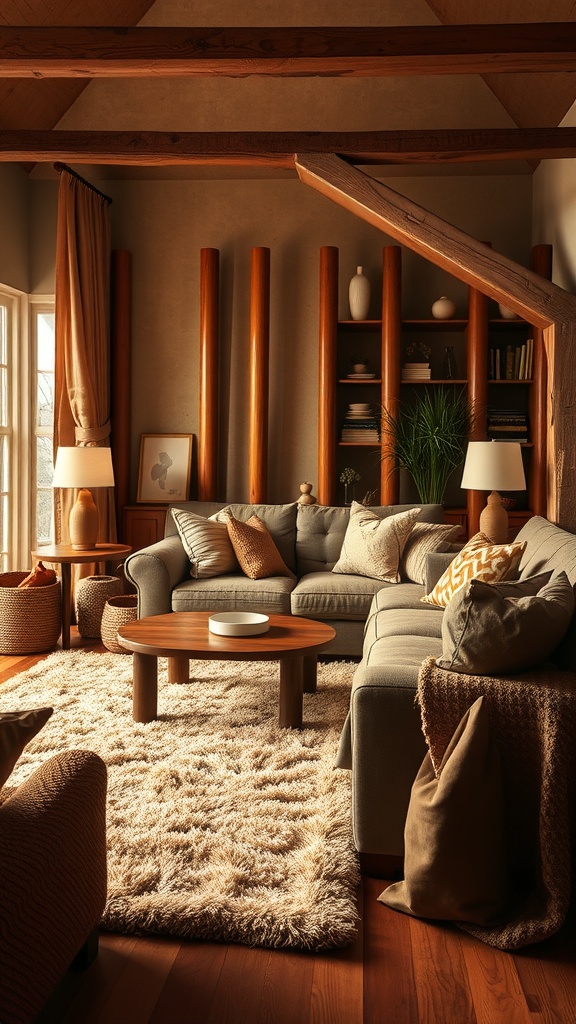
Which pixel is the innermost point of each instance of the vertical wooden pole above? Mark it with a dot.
(391, 334)
(537, 402)
(208, 412)
(327, 372)
(259, 373)
(477, 370)
(120, 376)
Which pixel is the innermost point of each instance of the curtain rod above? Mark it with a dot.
(59, 166)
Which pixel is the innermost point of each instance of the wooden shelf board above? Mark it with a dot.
(435, 381)
(372, 380)
(359, 444)
(514, 380)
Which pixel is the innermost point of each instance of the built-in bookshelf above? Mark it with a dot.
(466, 347)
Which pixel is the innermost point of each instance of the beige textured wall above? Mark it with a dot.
(14, 248)
(166, 223)
(554, 211)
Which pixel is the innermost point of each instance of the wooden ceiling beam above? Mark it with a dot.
(277, 149)
(115, 52)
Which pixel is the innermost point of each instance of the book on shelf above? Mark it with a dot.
(507, 425)
(511, 362)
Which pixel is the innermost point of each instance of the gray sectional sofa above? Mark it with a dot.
(309, 538)
(386, 624)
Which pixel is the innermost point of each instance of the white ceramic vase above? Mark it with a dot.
(359, 295)
(506, 314)
(443, 308)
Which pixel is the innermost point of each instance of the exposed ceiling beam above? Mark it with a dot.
(541, 302)
(278, 148)
(104, 52)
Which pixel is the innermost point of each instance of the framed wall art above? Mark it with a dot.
(165, 464)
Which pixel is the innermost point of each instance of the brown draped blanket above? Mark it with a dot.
(534, 719)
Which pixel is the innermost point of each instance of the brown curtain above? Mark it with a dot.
(82, 373)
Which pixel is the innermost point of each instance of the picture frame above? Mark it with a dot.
(164, 469)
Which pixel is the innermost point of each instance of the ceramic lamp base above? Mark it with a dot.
(84, 522)
(494, 519)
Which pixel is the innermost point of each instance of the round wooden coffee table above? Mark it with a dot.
(179, 636)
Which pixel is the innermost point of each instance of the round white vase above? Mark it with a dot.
(359, 295)
(443, 308)
(506, 314)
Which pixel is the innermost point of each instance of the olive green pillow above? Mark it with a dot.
(502, 628)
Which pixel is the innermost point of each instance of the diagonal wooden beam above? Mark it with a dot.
(278, 148)
(537, 300)
(103, 52)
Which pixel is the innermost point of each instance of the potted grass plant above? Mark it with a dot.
(428, 438)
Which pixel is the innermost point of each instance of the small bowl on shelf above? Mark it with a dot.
(238, 623)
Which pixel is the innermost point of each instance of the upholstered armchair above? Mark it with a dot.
(52, 878)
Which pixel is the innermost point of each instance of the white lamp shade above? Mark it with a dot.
(493, 466)
(83, 467)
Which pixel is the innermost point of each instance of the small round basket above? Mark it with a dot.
(92, 592)
(30, 617)
(117, 612)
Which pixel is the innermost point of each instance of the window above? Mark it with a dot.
(43, 336)
(26, 425)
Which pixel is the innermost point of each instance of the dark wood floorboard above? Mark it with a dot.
(398, 971)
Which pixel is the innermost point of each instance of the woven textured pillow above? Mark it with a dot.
(479, 559)
(255, 549)
(207, 544)
(423, 540)
(373, 546)
(501, 628)
(17, 728)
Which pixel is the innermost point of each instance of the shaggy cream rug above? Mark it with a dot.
(221, 825)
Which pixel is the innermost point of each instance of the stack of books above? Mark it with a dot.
(512, 362)
(361, 425)
(507, 425)
(416, 371)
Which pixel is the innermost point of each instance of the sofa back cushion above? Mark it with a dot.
(279, 519)
(550, 547)
(320, 531)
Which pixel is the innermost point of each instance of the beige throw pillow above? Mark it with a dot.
(255, 549)
(373, 546)
(423, 540)
(455, 862)
(17, 728)
(501, 628)
(207, 544)
(478, 559)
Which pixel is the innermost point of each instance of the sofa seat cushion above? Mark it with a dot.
(234, 593)
(324, 595)
(401, 652)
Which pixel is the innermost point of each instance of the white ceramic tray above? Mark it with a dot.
(238, 623)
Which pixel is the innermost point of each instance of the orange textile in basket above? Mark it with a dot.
(40, 576)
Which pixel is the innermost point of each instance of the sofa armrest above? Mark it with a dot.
(155, 571)
(53, 871)
(436, 564)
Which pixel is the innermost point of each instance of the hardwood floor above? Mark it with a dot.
(398, 971)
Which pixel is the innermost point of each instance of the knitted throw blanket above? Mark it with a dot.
(534, 718)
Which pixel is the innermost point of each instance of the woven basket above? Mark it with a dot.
(30, 618)
(117, 612)
(92, 592)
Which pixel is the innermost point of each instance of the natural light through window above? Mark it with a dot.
(44, 331)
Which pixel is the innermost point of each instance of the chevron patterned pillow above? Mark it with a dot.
(479, 559)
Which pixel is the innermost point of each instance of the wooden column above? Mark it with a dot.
(537, 402)
(259, 372)
(327, 374)
(208, 376)
(120, 376)
(477, 371)
(391, 335)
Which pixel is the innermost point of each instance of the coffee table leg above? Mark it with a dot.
(179, 669)
(310, 672)
(291, 689)
(145, 687)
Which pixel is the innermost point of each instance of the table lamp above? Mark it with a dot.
(83, 468)
(494, 466)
